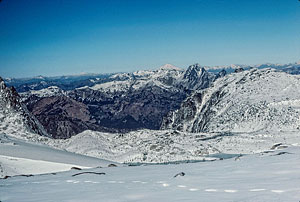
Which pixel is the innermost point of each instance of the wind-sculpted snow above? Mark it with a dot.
(249, 101)
(262, 177)
(31, 156)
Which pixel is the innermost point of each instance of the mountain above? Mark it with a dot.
(72, 82)
(63, 82)
(291, 68)
(248, 101)
(196, 77)
(15, 119)
(169, 67)
(119, 103)
(61, 116)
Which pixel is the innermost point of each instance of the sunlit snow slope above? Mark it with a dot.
(262, 177)
(18, 157)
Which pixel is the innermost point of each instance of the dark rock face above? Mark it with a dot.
(143, 108)
(238, 70)
(221, 74)
(196, 77)
(62, 116)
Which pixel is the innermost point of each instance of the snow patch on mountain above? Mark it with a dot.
(45, 92)
(113, 86)
(169, 67)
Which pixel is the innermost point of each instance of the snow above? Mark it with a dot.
(21, 157)
(113, 86)
(144, 146)
(17, 166)
(258, 116)
(46, 92)
(151, 146)
(165, 77)
(244, 102)
(169, 67)
(261, 177)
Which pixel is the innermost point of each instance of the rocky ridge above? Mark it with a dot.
(14, 115)
(248, 101)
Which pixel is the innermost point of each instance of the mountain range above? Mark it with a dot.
(68, 105)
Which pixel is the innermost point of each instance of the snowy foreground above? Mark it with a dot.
(269, 176)
(18, 157)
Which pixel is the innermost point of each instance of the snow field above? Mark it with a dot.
(260, 177)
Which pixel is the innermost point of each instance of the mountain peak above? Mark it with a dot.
(193, 71)
(17, 116)
(2, 84)
(169, 67)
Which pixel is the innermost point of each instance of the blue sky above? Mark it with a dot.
(61, 37)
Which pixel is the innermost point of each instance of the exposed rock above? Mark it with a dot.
(75, 168)
(14, 114)
(247, 101)
(281, 153)
(62, 116)
(96, 173)
(179, 174)
(238, 70)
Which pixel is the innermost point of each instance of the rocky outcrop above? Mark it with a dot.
(14, 115)
(142, 108)
(246, 101)
(62, 116)
(196, 77)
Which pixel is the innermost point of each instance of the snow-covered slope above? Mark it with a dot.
(152, 146)
(15, 119)
(143, 146)
(265, 177)
(112, 86)
(249, 101)
(19, 157)
(45, 92)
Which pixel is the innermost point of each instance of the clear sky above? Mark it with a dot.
(61, 37)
